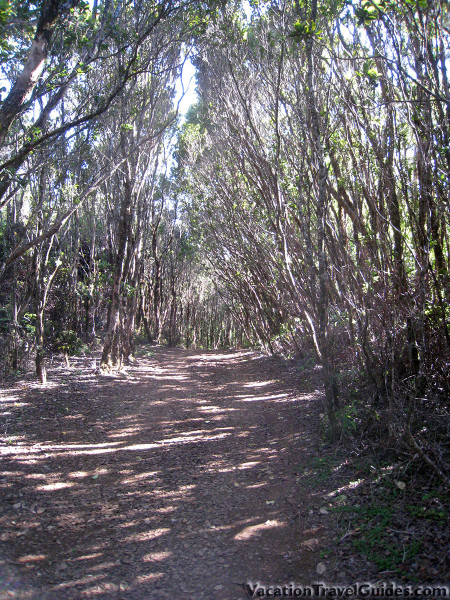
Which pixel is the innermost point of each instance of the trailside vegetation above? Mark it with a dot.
(300, 206)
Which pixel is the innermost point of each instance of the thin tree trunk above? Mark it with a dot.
(41, 371)
(322, 207)
(51, 11)
(109, 348)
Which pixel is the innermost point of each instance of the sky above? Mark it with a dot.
(186, 81)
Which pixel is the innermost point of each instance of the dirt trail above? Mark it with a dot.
(177, 481)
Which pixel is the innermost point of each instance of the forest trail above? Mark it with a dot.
(181, 480)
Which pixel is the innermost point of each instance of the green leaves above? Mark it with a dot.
(421, 4)
(5, 11)
(28, 322)
(371, 72)
(5, 14)
(369, 11)
(303, 29)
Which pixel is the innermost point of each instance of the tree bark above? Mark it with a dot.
(51, 12)
(322, 207)
(123, 233)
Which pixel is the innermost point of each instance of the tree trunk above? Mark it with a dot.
(110, 348)
(41, 371)
(50, 13)
(157, 300)
(322, 207)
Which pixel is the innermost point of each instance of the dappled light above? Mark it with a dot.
(256, 530)
(224, 311)
(172, 473)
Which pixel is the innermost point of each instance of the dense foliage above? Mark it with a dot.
(305, 207)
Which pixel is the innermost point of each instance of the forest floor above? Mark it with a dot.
(184, 478)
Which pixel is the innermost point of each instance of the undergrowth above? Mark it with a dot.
(387, 518)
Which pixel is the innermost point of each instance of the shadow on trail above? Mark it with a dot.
(179, 481)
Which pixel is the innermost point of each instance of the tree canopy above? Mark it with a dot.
(301, 205)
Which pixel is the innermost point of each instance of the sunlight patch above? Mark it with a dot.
(181, 492)
(259, 383)
(77, 446)
(78, 474)
(148, 577)
(141, 447)
(350, 486)
(257, 530)
(212, 409)
(7, 450)
(31, 558)
(194, 438)
(277, 397)
(9, 398)
(140, 476)
(124, 432)
(156, 556)
(145, 536)
(249, 465)
(127, 524)
(54, 486)
(89, 556)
